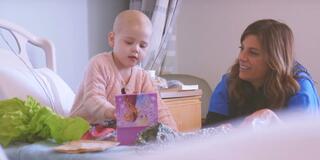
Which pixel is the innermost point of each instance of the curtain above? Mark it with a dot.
(162, 14)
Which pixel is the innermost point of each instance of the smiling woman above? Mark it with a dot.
(264, 78)
(252, 62)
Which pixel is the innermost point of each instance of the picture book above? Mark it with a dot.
(135, 112)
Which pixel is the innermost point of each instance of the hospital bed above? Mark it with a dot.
(21, 76)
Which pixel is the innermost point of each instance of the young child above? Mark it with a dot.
(115, 72)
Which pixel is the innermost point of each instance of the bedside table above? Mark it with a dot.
(185, 107)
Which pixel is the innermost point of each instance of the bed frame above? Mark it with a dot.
(23, 37)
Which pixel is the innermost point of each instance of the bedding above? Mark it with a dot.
(19, 78)
(42, 84)
(63, 95)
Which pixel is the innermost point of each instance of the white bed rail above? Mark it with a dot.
(22, 37)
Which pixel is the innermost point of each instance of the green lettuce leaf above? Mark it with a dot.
(29, 121)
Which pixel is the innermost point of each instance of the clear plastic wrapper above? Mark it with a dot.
(261, 119)
(161, 134)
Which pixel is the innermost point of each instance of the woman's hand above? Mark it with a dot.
(261, 118)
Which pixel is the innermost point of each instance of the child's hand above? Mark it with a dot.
(107, 115)
(115, 115)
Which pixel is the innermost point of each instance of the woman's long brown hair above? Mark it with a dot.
(276, 40)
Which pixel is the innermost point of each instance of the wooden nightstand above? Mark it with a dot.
(185, 107)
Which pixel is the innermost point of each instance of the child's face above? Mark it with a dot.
(130, 44)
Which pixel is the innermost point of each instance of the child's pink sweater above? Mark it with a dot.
(102, 82)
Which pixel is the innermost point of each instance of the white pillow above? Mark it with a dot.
(62, 93)
(44, 85)
(17, 80)
(9, 59)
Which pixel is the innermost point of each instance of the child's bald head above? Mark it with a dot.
(131, 18)
(130, 38)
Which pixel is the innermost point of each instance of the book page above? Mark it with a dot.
(136, 110)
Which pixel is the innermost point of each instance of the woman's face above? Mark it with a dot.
(253, 61)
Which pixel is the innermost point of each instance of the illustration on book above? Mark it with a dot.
(136, 110)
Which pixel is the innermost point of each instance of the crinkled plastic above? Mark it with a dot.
(158, 133)
(161, 134)
(28, 121)
(100, 132)
(261, 119)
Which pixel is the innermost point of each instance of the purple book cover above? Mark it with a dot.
(134, 113)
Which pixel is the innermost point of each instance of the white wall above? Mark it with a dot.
(63, 22)
(78, 28)
(101, 14)
(208, 33)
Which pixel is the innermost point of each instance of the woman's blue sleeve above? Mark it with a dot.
(219, 98)
(306, 98)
